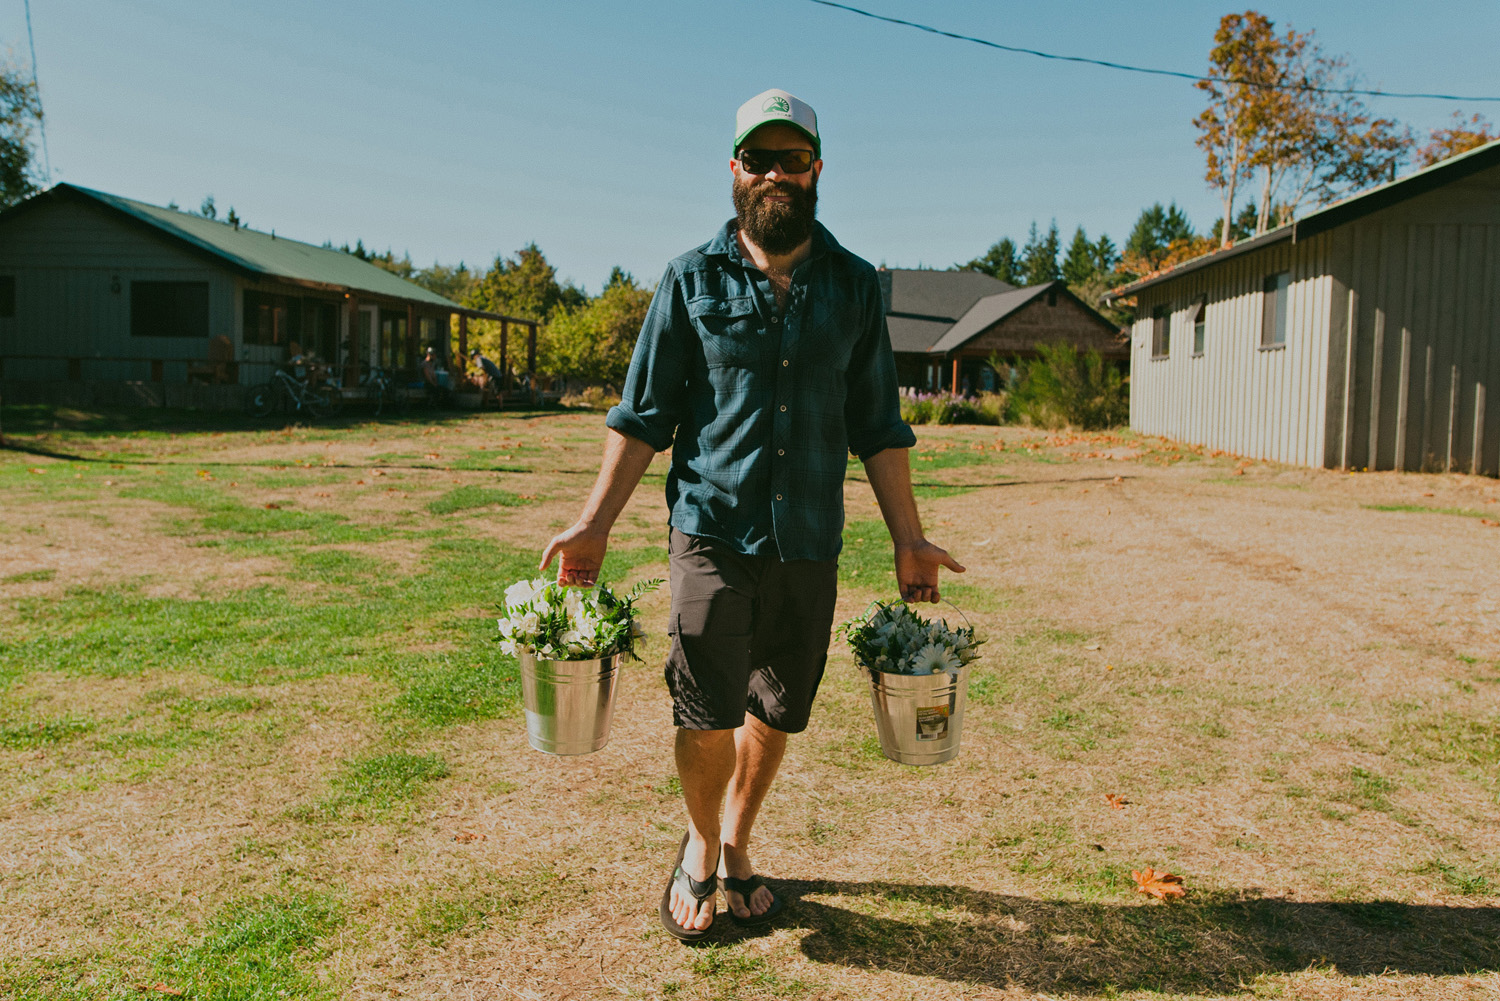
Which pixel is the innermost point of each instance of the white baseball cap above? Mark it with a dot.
(781, 108)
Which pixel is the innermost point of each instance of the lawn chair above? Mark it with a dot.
(220, 368)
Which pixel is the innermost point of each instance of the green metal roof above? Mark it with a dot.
(266, 255)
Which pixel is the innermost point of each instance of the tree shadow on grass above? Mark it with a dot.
(1208, 944)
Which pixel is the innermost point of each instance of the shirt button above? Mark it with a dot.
(781, 451)
(778, 497)
(785, 362)
(783, 408)
(775, 320)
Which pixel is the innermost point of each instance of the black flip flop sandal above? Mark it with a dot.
(699, 890)
(745, 887)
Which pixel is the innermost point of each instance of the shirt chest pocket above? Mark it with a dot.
(730, 330)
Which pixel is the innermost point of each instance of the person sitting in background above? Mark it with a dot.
(434, 379)
(493, 379)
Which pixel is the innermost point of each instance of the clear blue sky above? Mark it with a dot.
(463, 129)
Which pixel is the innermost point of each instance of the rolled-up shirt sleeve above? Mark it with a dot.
(872, 406)
(654, 399)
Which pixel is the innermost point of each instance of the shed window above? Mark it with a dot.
(1161, 331)
(1273, 309)
(168, 309)
(1200, 325)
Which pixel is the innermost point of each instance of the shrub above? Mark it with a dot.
(945, 408)
(1061, 388)
(592, 398)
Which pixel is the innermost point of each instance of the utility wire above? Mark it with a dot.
(37, 87)
(1143, 69)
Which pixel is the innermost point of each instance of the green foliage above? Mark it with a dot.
(42, 733)
(20, 111)
(525, 285)
(1039, 256)
(1156, 229)
(1061, 388)
(594, 342)
(944, 408)
(1078, 265)
(1000, 261)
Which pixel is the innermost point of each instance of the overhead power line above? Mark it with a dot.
(1143, 69)
(37, 87)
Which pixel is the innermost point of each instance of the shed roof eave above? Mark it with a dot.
(1275, 236)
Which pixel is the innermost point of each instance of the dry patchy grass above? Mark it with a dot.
(258, 738)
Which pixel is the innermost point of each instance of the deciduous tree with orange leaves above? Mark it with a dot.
(1282, 111)
(1460, 137)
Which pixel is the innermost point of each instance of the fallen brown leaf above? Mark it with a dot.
(464, 837)
(272, 506)
(159, 989)
(1490, 522)
(1116, 801)
(1160, 885)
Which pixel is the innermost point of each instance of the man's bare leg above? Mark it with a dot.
(705, 764)
(758, 752)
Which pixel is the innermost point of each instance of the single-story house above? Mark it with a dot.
(944, 325)
(1363, 335)
(105, 299)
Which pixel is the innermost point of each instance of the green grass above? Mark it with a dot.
(258, 949)
(866, 560)
(30, 576)
(437, 920)
(470, 497)
(44, 733)
(1462, 512)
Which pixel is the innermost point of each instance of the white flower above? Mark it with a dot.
(522, 591)
(933, 659)
(508, 647)
(507, 628)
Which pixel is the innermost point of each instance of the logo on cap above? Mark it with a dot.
(777, 104)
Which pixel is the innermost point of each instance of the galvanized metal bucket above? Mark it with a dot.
(919, 717)
(569, 703)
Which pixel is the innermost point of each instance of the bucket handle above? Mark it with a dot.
(903, 601)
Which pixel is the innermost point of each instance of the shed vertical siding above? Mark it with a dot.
(1237, 396)
(1392, 358)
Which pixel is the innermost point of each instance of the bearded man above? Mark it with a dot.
(765, 360)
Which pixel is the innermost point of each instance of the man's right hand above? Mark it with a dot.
(580, 552)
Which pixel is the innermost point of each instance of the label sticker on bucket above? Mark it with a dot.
(932, 722)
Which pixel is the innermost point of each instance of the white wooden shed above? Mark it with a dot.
(1365, 335)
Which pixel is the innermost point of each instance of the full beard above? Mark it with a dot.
(776, 227)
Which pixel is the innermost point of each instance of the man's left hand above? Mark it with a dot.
(917, 570)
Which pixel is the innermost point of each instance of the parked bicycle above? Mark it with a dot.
(385, 391)
(289, 394)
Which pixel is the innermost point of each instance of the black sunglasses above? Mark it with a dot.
(791, 161)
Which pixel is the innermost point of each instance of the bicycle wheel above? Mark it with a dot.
(315, 402)
(261, 400)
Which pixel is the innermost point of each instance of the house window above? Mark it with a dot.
(1161, 331)
(7, 295)
(1200, 325)
(169, 309)
(272, 319)
(1273, 309)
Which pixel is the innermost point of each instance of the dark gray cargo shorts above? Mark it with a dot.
(749, 634)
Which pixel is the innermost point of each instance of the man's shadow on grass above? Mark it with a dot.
(1205, 944)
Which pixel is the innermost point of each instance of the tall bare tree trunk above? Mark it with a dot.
(1229, 189)
(1263, 216)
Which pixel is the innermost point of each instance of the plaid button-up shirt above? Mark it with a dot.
(764, 408)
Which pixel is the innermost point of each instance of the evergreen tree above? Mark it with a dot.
(1039, 257)
(1106, 256)
(1156, 230)
(1081, 262)
(208, 210)
(1000, 261)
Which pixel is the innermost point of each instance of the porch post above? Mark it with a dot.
(463, 337)
(351, 360)
(531, 354)
(504, 355)
(954, 387)
(411, 334)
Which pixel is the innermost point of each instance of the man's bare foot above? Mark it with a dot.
(735, 863)
(698, 862)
